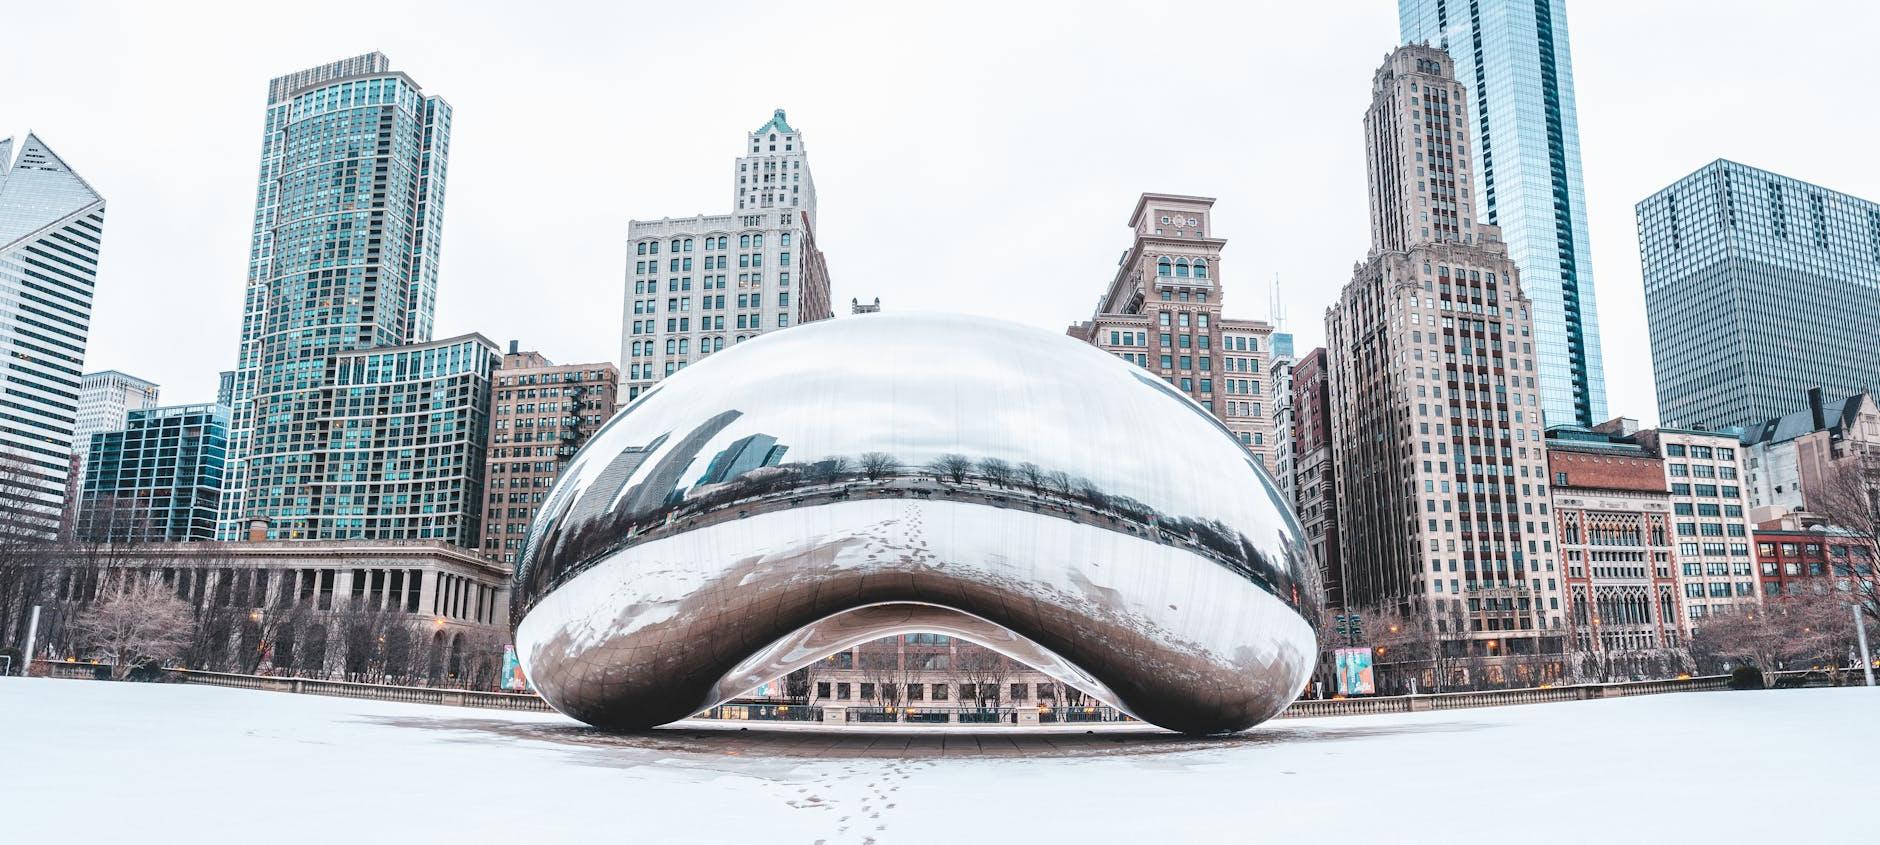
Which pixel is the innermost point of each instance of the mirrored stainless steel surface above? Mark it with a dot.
(819, 487)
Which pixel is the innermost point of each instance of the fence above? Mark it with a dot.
(759, 711)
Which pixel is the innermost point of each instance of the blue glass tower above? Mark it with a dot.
(349, 208)
(1512, 57)
(159, 479)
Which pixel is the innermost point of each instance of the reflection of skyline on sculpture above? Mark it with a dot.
(908, 420)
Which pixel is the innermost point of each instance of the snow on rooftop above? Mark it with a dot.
(102, 762)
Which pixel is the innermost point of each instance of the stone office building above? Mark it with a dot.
(1162, 312)
(686, 299)
(1442, 493)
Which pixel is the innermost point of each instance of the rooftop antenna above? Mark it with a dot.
(1276, 305)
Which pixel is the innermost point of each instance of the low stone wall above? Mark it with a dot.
(840, 716)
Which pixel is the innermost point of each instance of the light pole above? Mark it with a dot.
(1860, 634)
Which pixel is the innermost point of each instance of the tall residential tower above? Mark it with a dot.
(349, 207)
(686, 299)
(1512, 55)
(1757, 288)
(1441, 498)
(51, 223)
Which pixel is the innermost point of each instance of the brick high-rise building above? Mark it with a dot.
(1442, 492)
(1315, 479)
(698, 284)
(541, 413)
(1162, 312)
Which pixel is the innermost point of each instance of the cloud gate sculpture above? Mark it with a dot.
(816, 488)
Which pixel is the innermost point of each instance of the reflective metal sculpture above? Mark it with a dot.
(820, 487)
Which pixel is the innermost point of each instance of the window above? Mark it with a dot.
(1164, 267)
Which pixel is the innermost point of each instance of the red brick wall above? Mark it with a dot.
(1606, 472)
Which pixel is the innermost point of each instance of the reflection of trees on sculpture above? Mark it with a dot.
(877, 465)
(881, 665)
(567, 549)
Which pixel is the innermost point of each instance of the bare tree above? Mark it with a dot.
(1032, 476)
(877, 465)
(137, 622)
(996, 471)
(1849, 499)
(983, 670)
(951, 467)
(881, 665)
(1783, 629)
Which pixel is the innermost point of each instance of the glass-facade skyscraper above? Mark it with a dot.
(1757, 288)
(1512, 57)
(157, 479)
(349, 208)
(51, 225)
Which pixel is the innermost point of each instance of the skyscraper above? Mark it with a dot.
(158, 477)
(51, 225)
(681, 305)
(1442, 497)
(1162, 312)
(348, 213)
(1757, 288)
(1512, 55)
(105, 400)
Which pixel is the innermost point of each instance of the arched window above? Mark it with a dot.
(1181, 268)
(718, 343)
(744, 241)
(671, 346)
(684, 344)
(1163, 267)
(1201, 268)
(724, 242)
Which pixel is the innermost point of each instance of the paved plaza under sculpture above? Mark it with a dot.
(814, 489)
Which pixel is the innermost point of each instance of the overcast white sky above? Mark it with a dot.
(968, 157)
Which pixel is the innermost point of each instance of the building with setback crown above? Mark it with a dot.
(349, 206)
(1162, 312)
(1757, 287)
(541, 414)
(51, 225)
(697, 284)
(1512, 57)
(1442, 494)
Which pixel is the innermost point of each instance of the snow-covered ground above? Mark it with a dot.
(89, 761)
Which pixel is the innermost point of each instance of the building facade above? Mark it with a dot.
(157, 479)
(1442, 493)
(1613, 518)
(51, 226)
(105, 400)
(1162, 312)
(1792, 459)
(1757, 287)
(402, 440)
(349, 207)
(1704, 473)
(1315, 475)
(541, 413)
(1513, 58)
(1798, 556)
(1279, 379)
(686, 300)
